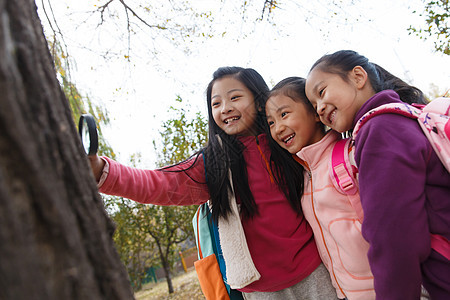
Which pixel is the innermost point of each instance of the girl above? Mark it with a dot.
(405, 189)
(296, 127)
(283, 262)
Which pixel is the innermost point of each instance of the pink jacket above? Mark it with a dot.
(336, 227)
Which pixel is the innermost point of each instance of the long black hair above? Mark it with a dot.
(343, 61)
(225, 152)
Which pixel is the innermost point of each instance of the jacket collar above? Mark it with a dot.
(249, 140)
(313, 154)
(383, 97)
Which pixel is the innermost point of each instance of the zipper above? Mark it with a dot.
(321, 232)
(265, 160)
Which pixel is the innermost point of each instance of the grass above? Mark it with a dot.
(185, 286)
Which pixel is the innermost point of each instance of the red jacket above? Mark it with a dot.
(280, 241)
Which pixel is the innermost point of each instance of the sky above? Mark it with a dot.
(137, 93)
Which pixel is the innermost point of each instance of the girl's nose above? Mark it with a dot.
(226, 108)
(320, 108)
(279, 128)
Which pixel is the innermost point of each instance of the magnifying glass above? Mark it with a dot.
(88, 134)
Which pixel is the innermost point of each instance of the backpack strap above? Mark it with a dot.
(433, 118)
(341, 168)
(441, 245)
(197, 216)
(343, 174)
(403, 109)
(203, 237)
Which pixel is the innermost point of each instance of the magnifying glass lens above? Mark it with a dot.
(85, 137)
(88, 134)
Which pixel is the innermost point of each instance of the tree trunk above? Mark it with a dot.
(55, 236)
(166, 268)
(165, 264)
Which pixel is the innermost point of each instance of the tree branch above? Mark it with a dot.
(138, 17)
(102, 11)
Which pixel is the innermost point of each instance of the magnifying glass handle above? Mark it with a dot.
(97, 165)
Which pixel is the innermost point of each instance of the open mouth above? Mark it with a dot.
(288, 138)
(228, 120)
(332, 116)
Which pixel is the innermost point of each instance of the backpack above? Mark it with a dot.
(211, 265)
(433, 118)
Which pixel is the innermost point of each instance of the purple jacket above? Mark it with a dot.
(405, 195)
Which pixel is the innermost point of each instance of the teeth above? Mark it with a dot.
(288, 138)
(331, 117)
(231, 119)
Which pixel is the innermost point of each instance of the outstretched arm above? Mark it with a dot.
(182, 184)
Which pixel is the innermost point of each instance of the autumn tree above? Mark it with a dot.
(136, 249)
(55, 235)
(436, 15)
(147, 232)
(78, 103)
(171, 225)
(116, 27)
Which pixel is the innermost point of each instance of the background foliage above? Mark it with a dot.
(150, 234)
(435, 15)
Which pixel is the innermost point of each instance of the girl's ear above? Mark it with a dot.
(359, 75)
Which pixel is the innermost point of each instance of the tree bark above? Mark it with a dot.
(166, 268)
(55, 236)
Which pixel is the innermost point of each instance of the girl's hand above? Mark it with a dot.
(97, 165)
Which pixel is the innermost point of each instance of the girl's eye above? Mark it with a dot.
(321, 92)
(271, 123)
(214, 104)
(235, 97)
(283, 114)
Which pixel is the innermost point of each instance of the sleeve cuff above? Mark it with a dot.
(105, 173)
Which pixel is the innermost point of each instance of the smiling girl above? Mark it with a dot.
(283, 261)
(405, 189)
(296, 127)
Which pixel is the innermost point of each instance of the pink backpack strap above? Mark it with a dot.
(343, 176)
(433, 118)
(340, 168)
(441, 245)
(403, 109)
